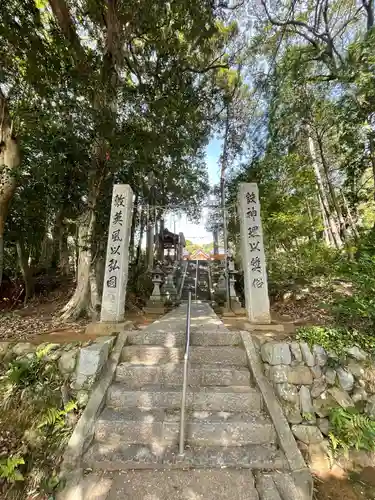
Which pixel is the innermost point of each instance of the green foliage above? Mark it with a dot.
(357, 308)
(351, 429)
(34, 419)
(9, 469)
(303, 262)
(335, 339)
(54, 417)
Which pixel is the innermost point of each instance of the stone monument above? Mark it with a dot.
(155, 304)
(117, 260)
(253, 259)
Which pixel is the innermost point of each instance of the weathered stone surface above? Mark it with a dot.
(300, 375)
(90, 362)
(307, 355)
(359, 394)
(23, 348)
(307, 408)
(256, 299)
(356, 368)
(323, 424)
(330, 376)
(297, 375)
(108, 328)
(342, 398)
(308, 434)
(320, 354)
(316, 371)
(318, 454)
(292, 412)
(369, 378)
(318, 387)
(278, 374)
(370, 407)
(357, 353)
(82, 398)
(115, 280)
(276, 353)
(67, 361)
(346, 379)
(287, 392)
(296, 351)
(323, 404)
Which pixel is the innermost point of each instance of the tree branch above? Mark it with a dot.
(62, 15)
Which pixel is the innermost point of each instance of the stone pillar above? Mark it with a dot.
(253, 258)
(117, 260)
(235, 304)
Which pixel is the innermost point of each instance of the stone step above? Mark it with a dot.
(266, 487)
(115, 456)
(151, 355)
(177, 339)
(232, 399)
(172, 374)
(162, 428)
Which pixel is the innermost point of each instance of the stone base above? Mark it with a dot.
(269, 327)
(108, 328)
(154, 307)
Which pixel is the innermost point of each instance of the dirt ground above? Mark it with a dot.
(338, 485)
(40, 321)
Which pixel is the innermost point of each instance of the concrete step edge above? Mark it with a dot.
(133, 415)
(256, 457)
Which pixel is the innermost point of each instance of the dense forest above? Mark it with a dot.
(96, 92)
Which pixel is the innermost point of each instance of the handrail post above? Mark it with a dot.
(185, 376)
(196, 280)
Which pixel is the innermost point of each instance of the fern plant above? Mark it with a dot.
(351, 429)
(9, 469)
(56, 418)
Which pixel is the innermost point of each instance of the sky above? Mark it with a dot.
(196, 232)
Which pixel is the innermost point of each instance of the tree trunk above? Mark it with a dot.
(313, 233)
(80, 303)
(372, 158)
(47, 250)
(323, 196)
(25, 270)
(332, 191)
(9, 162)
(141, 232)
(327, 231)
(134, 225)
(350, 218)
(63, 264)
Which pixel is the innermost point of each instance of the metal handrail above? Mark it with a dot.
(196, 279)
(182, 280)
(185, 377)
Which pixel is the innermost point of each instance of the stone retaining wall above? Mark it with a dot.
(79, 363)
(311, 381)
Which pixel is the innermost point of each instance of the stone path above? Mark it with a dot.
(228, 434)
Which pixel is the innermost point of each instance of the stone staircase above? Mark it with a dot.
(203, 289)
(226, 425)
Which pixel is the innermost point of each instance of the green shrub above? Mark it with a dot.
(335, 339)
(351, 429)
(35, 422)
(300, 264)
(357, 310)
